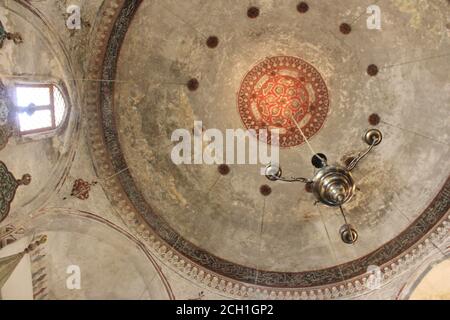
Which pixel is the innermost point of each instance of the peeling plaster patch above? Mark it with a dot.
(422, 14)
(371, 203)
(412, 7)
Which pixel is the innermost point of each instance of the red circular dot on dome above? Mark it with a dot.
(193, 84)
(372, 70)
(302, 7)
(212, 42)
(345, 28)
(224, 169)
(253, 12)
(265, 190)
(374, 119)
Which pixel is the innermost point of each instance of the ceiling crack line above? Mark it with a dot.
(415, 132)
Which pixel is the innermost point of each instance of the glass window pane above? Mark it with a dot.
(60, 105)
(36, 95)
(38, 120)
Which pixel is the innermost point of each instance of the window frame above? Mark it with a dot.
(51, 107)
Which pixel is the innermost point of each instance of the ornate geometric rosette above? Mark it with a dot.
(279, 89)
(81, 189)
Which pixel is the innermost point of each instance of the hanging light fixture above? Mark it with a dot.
(332, 185)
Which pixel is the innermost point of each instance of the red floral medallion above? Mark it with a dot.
(279, 89)
(81, 189)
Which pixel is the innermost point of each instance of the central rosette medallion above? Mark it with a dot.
(279, 89)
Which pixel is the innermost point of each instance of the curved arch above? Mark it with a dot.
(434, 285)
(408, 289)
(37, 224)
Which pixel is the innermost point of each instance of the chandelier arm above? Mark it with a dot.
(352, 235)
(343, 215)
(360, 156)
(303, 180)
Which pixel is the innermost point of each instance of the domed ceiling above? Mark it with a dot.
(170, 63)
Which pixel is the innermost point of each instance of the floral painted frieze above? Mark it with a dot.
(81, 189)
(5, 35)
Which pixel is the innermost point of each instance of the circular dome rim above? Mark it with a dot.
(108, 161)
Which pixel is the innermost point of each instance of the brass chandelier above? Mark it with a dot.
(332, 185)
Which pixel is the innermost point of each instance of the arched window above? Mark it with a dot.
(39, 108)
